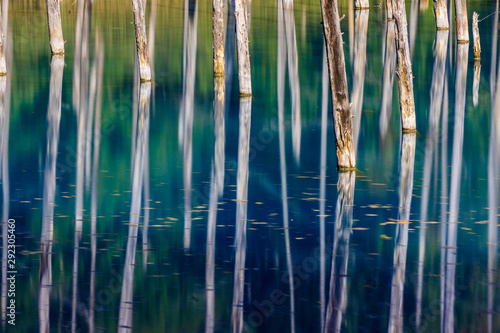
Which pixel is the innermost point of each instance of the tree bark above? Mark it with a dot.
(141, 40)
(361, 4)
(475, 37)
(244, 74)
(461, 21)
(55, 28)
(342, 117)
(390, 14)
(404, 72)
(218, 36)
(441, 15)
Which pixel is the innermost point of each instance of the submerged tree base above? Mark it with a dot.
(346, 169)
(409, 130)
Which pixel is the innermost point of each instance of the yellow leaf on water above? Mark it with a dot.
(385, 237)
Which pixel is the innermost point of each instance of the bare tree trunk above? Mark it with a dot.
(3, 64)
(390, 14)
(461, 21)
(244, 74)
(218, 35)
(141, 40)
(342, 117)
(441, 15)
(475, 37)
(55, 28)
(404, 72)
(361, 4)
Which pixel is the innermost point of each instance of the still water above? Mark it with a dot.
(176, 206)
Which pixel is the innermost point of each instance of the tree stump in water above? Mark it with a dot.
(55, 28)
(361, 4)
(218, 36)
(342, 117)
(441, 15)
(475, 37)
(244, 74)
(461, 21)
(404, 71)
(141, 40)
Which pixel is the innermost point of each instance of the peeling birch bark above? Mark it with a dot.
(141, 40)
(244, 74)
(461, 21)
(475, 37)
(55, 28)
(218, 35)
(404, 72)
(441, 14)
(342, 117)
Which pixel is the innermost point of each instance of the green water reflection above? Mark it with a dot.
(177, 206)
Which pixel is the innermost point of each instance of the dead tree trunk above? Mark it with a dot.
(404, 72)
(475, 37)
(55, 28)
(390, 15)
(361, 4)
(244, 75)
(141, 40)
(441, 15)
(461, 21)
(342, 117)
(3, 64)
(218, 36)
